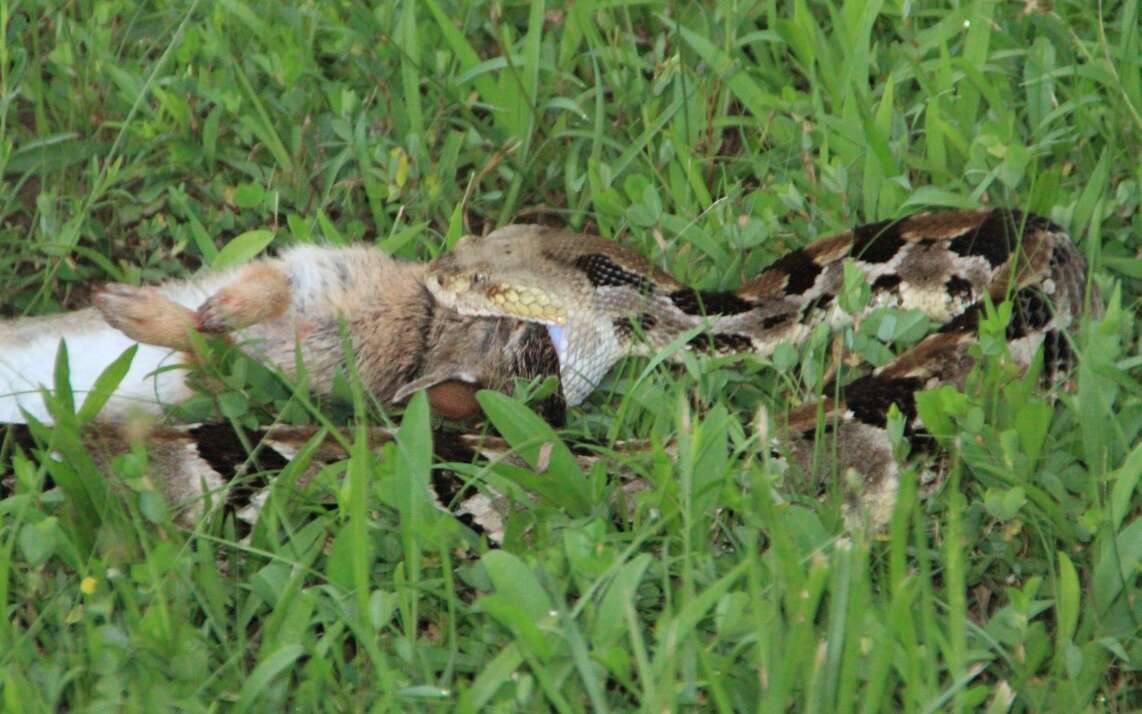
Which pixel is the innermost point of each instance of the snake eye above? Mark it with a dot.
(478, 278)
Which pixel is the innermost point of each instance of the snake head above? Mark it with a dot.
(576, 285)
(493, 277)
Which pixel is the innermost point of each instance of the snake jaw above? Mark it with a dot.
(470, 293)
(525, 303)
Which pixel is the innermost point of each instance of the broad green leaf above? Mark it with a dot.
(38, 541)
(1125, 487)
(249, 195)
(935, 197)
(1066, 603)
(210, 134)
(1005, 504)
(63, 397)
(242, 248)
(855, 290)
(361, 559)
(610, 619)
(406, 37)
(1032, 422)
(759, 102)
(105, 385)
(339, 560)
(465, 54)
(233, 405)
(413, 466)
(264, 674)
(260, 122)
(508, 613)
(679, 627)
(515, 582)
(1117, 566)
(536, 442)
(499, 672)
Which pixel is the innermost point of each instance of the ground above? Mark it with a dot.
(145, 140)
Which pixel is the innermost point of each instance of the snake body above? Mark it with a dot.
(602, 301)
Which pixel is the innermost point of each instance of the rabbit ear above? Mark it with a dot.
(451, 394)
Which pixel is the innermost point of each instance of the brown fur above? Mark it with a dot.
(320, 300)
(146, 315)
(260, 294)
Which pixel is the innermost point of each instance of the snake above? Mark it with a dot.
(602, 302)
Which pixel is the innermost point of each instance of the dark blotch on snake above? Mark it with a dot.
(870, 397)
(775, 320)
(958, 287)
(998, 235)
(604, 272)
(801, 269)
(722, 343)
(447, 485)
(220, 446)
(877, 242)
(886, 282)
(1030, 311)
(698, 302)
(1057, 355)
(625, 327)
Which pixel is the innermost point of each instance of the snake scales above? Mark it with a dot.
(528, 301)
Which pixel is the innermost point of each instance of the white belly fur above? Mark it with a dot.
(28, 355)
(25, 368)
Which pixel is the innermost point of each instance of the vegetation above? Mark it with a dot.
(140, 141)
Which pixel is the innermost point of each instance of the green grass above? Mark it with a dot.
(141, 141)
